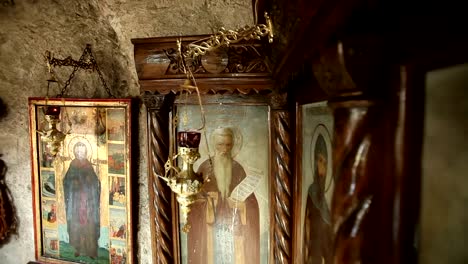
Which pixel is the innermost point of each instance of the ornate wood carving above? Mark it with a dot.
(331, 74)
(158, 59)
(241, 68)
(232, 59)
(363, 147)
(352, 199)
(352, 67)
(281, 185)
(368, 155)
(354, 140)
(160, 195)
(211, 86)
(374, 169)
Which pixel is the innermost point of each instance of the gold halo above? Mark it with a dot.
(85, 141)
(236, 144)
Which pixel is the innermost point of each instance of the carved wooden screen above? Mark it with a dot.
(376, 150)
(239, 76)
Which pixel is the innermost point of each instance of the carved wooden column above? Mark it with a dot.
(410, 85)
(158, 107)
(281, 184)
(373, 211)
(357, 153)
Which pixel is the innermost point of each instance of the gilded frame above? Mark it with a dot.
(96, 148)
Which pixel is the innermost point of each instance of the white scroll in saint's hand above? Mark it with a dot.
(247, 186)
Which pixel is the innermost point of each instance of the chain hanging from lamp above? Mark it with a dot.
(52, 136)
(184, 181)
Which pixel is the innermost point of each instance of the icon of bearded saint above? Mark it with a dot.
(223, 230)
(317, 247)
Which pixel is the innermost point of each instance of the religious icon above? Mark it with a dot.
(317, 223)
(82, 190)
(224, 219)
(115, 128)
(117, 191)
(51, 245)
(229, 221)
(118, 252)
(48, 183)
(316, 188)
(117, 222)
(82, 194)
(49, 213)
(116, 153)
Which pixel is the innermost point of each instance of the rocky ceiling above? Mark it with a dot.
(111, 24)
(157, 18)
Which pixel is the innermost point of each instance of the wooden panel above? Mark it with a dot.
(409, 85)
(158, 59)
(211, 85)
(160, 195)
(355, 146)
(376, 153)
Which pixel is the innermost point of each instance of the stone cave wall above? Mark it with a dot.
(30, 27)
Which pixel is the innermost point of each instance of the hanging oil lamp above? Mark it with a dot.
(52, 136)
(185, 182)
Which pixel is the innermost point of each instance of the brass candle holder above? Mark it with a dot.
(52, 136)
(185, 182)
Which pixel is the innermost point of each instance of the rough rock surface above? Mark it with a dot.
(31, 27)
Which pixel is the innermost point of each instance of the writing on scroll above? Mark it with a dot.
(247, 186)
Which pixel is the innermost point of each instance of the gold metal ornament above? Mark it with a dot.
(52, 136)
(225, 37)
(185, 182)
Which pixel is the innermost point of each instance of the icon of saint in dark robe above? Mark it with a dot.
(82, 191)
(317, 247)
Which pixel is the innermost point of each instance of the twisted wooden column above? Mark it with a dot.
(281, 185)
(376, 155)
(378, 113)
(354, 142)
(158, 107)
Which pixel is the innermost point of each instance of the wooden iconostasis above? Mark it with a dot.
(341, 117)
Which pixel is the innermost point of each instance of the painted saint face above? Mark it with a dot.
(321, 166)
(223, 145)
(80, 152)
